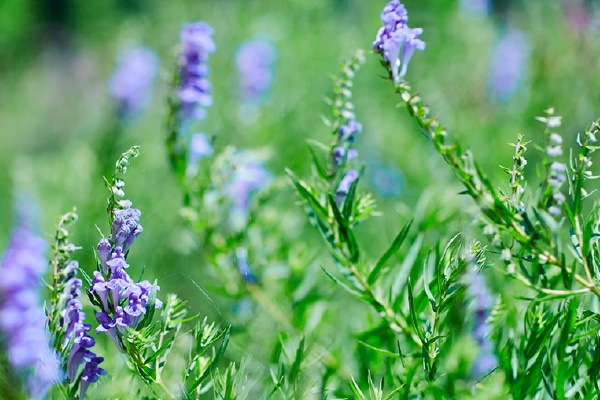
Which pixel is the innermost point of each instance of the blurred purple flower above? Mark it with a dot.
(255, 60)
(338, 155)
(194, 90)
(22, 317)
(349, 130)
(131, 83)
(395, 41)
(342, 190)
(199, 148)
(508, 65)
(246, 179)
(482, 303)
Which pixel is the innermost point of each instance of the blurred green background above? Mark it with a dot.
(57, 55)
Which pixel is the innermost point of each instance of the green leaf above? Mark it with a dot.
(304, 190)
(350, 290)
(413, 313)
(318, 165)
(358, 394)
(398, 240)
(345, 231)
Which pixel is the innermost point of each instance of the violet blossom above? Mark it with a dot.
(254, 60)
(22, 317)
(123, 301)
(482, 303)
(76, 331)
(131, 83)
(194, 89)
(395, 41)
(199, 148)
(509, 60)
(345, 184)
(247, 178)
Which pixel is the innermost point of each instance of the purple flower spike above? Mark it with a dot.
(22, 318)
(131, 83)
(255, 60)
(481, 306)
(194, 90)
(342, 190)
(395, 41)
(508, 70)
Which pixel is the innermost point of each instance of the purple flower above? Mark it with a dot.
(22, 318)
(338, 155)
(508, 65)
(348, 179)
(255, 60)
(395, 41)
(194, 90)
(482, 303)
(125, 228)
(131, 83)
(91, 373)
(199, 148)
(128, 300)
(348, 131)
(243, 266)
(246, 179)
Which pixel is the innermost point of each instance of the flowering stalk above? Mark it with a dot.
(66, 319)
(535, 238)
(335, 207)
(190, 92)
(126, 308)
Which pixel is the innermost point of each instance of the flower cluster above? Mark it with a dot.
(131, 83)
(395, 41)
(22, 318)
(194, 89)
(77, 332)
(255, 60)
(122, 300)
(486, 361)
(346, 135)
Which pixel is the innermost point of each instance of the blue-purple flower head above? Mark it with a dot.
(348, 131)
(508, 65)
(124, 302)
(199, 148)
(194, 90)
(482, 303)
(395, 41)
(254, 60)
(131, 83)
(248, 177)
(76, 331)
(22, 317)
(345, 184)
